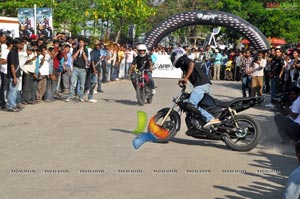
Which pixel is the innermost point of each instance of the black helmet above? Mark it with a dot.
(176, 54)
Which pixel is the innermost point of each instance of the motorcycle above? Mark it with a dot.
(141, 83)
(239, 132)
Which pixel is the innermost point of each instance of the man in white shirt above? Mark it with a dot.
(44, 60)
(28, 66)
(257, 68)
(289, 126)
(130, 54)
(5, 48)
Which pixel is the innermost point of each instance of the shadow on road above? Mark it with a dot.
(270, 138)
(201, 142)
(275, 169)
(122, 131)
(125, 102)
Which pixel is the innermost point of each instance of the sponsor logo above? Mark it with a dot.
(164, 67)
(206, 17)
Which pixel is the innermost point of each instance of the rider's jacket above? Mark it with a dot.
(198, 76)
(142, 62)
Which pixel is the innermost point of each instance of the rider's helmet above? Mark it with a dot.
(142, 47)
(176, 54)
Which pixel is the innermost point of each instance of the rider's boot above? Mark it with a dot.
(190, 107)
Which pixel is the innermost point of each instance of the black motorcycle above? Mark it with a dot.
(239, 132)
(141, 83)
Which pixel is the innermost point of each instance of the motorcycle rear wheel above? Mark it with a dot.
(170, 124)
(140, 95)
(248, 134)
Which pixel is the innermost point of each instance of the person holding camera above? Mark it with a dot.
(288, 124)
(257, 68)
(28, 65)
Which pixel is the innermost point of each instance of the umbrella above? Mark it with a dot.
(245, 41)
(278, 41)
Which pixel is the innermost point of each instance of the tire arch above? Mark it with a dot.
(210, 17)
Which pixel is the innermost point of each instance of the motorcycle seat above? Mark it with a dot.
(240, 100)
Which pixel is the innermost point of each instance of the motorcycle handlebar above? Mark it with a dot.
(183, 86)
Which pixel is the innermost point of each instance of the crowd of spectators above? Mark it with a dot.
(77, 67)
(271, 72)
(35, 70)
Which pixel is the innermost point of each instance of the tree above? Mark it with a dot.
(121, 14)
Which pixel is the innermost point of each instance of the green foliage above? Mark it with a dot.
(73, 14)
(281, 23)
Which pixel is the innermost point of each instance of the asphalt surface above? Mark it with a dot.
(84, 150)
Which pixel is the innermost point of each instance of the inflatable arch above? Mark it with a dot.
(200, 17)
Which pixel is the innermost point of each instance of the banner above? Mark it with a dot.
(44, 22)
(163, 68)
(26, 22)
(9, 26)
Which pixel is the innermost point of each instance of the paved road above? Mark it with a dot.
(83, 150)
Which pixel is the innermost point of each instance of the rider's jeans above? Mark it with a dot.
(151, 80)
(197, 95)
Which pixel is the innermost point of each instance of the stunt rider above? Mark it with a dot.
(198, 79)
(142, 61)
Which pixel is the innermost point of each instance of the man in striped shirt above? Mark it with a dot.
(246, 73)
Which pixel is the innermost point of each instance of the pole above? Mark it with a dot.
(35, 19)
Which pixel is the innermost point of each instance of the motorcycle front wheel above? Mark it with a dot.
(140, 95)
(149, 95)
(246, 136)
(171, 124)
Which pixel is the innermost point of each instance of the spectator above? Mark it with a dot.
(217, 65)
(79, 70)
(257, 69)
(285, 74)
(28, 65)
(208, 58)
(295, 69)
(44, 58)
(121, 60)
(289, 126)
(95, 59)
(267, 71)
(130, 54)
(115, 64)
(3, 73)
(224, 60)
(103, 63)
(163, 51)
(51, 85)
(56, 56)
(93, 71)
(2, 42)
(276, 66)
(109, 60)
(246, 73)
(66, 71)
(13, 74)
